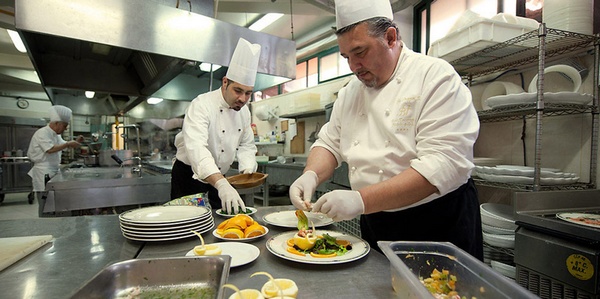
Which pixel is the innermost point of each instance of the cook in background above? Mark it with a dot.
(216, 129)
(45, 150)
(405, 124)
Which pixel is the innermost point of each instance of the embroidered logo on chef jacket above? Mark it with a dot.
(404, 119)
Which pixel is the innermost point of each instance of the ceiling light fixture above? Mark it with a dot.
(154, 101)
(205, 67)
(265, 21)
(89, 94)
(16, 39)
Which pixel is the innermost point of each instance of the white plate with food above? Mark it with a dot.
(240, 253)
(288, 219)
(278, 245)
(218, 236)
(164, 214)
(249, 211)
(587, 219)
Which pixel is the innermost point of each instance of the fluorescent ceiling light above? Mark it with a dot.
(265, 21)
(205, 67)
(16, 39)
(89, 94)
(154, 101)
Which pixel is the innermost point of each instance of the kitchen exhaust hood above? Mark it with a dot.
(128, 51)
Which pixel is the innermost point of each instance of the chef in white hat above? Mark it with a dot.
(45, 150)
(216, 130)
(405, 124)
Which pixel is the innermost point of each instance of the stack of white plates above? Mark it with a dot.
(524, 175)
(484, 161)
(164, 223)
(498, 225)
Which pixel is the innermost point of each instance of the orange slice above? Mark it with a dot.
(254, 230)
(232, 233)
(222, 224)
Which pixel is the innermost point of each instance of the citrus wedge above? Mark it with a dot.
(232, 233)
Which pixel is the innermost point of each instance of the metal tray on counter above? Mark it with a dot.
(196, 277)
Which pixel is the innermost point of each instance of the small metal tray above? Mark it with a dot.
(199, 277)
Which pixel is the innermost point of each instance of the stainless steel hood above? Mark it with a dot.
(129, 50)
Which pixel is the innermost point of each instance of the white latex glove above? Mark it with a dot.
(340, 205)
(302, 189)
(247, 171)
(230, 199)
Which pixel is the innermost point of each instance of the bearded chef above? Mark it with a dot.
(216, 129)
(45, 150)
(405, 124)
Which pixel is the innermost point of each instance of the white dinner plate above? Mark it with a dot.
(224, 214)
(166, 237)
(240, 253)
(164, 214)
(243, 239)
(514, 179)
(174, 231)
(189, 225)
(578, 217)
(277, 245)
(563, 97)
(289, 219)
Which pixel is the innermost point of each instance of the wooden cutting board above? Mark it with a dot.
(297, 143)
(15, 248)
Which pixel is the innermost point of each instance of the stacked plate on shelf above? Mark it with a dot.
(165, 223)
(498, 225)
(515, 174)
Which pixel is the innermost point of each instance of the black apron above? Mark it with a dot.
(183, 184)
(453, 218)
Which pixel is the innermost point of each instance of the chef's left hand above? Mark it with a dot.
(340, 205)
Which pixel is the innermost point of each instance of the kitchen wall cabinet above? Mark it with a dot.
(529, 51)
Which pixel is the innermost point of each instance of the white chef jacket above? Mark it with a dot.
(212, 136)
(422, 118)
(43, 163)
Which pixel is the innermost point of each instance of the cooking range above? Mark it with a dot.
(556, 258)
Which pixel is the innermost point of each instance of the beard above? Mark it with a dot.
(369, 83)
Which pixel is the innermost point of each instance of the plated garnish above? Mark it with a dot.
(246, 211)
(307, 242)
(240, 227)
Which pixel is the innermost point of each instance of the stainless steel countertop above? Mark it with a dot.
(84, 245)
(368, 277)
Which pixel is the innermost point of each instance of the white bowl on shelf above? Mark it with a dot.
(504, 269)
(490, 229)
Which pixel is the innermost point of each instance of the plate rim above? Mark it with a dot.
(264, 218)
(561, 216)
(177, 237)
(317, 261)
(248, 246)
(123, 215)
(252, 209)
(216, 235)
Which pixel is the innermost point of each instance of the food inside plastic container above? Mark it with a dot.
(413, 262)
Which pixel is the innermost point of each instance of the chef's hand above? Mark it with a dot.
(247, 171)
(230, 199)
(340, 205)
(302, 189)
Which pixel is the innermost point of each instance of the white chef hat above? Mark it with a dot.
(60, 113)
(244, 63)
(348, 12)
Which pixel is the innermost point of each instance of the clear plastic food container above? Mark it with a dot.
(411, 260)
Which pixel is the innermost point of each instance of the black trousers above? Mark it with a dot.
(453, 218)
(183, 184)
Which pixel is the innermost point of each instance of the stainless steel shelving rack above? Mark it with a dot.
(529, 50)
